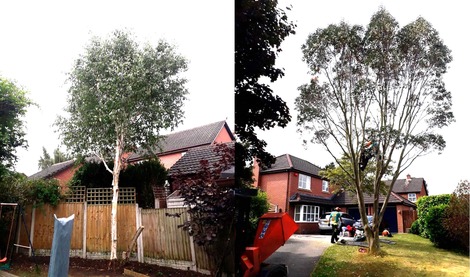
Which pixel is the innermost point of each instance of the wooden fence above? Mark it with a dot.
(161, 241)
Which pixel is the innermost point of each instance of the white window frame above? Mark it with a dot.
(325, 186)
(412, 197)
(306, 213)
(304, 181)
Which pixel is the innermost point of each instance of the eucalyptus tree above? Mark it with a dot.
(377, 97)
(121, 96)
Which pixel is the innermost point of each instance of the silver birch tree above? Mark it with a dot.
(121, 96)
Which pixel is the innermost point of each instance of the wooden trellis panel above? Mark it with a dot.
(104, 196)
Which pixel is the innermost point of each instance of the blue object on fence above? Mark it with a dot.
(59, 263)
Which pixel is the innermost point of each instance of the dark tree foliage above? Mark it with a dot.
(260, 27)
(211, 204)
(143, 176)
(456, 220)
(13, 105)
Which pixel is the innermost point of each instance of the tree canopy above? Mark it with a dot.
(13, 107)
(121, 90)
(377, 96)
(260, 27)
(121, 96)
(46, 160)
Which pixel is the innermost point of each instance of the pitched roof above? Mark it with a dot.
(183, 140)
(52, 170)
(406, 186)
(303, 197)
(190, 162)
(288, 162)
(347, 198)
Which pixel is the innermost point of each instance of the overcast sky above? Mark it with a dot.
(441, 172)
(42, 39)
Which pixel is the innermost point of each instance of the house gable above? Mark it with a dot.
(173, 145)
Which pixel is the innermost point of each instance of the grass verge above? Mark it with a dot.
(411, 255)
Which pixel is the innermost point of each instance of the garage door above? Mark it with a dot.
(389, 220)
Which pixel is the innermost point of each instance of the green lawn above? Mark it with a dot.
(411, 255)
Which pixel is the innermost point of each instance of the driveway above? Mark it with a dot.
(300, 253)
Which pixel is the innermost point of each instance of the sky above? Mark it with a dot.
(441, 172)
(42, 39)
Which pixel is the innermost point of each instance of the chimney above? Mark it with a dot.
(408, 180)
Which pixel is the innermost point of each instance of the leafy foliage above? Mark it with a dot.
(46, 160)
(17, 188)
(378, 85)
(13, 105)
(415, 228)
(424, 204)
(456, 221)
(259, 205)
(121, 97)
(45, 191)
(340, 177)
(210, 204)
(433, 224)
(120, 90)
(260, 28)
(143, 176)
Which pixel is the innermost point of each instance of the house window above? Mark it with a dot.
(324, 186)
(304, 181)
(306, 213)
(412, 197)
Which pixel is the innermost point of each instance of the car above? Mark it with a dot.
(358, 223)
(346, 219)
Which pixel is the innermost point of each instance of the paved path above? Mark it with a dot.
(300, 253)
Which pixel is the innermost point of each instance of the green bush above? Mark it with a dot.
(44, 191)
(143, 176)
(423, 206)
(434, 225)
(415, 228)
(457, 217)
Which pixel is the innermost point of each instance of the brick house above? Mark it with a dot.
(410, 188)
(173, 147)
(293, 185)
(63, 172)
(189, 164)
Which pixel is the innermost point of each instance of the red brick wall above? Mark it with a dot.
(223, 136)
(65, 176)
(308, 228)
(169, 160)
(275, 185)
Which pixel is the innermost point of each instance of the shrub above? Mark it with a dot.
(456, 221)
(424, 204)
(143, 176)
(415, 228)
(433, 224)
(46, 191)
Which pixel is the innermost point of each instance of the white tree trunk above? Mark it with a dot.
(114, 203)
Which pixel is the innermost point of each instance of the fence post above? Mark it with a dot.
(85, 217)
(193, 250)
(31, 235)
(140, 244)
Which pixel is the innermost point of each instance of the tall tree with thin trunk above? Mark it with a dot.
(377, 98)
(121, 96)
